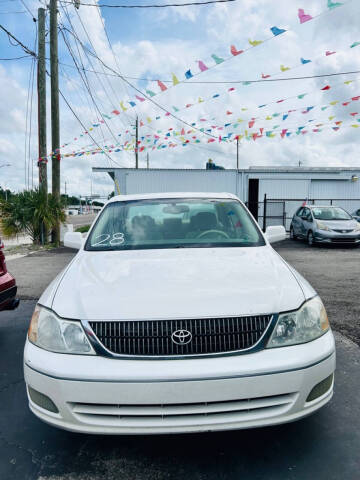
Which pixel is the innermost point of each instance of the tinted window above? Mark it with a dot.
(173, 223)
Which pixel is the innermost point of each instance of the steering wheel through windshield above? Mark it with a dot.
(211, 233)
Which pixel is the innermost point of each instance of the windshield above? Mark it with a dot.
(173, 223)
(330, 213)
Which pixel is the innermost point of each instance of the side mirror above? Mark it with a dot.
(73, 240)
(276, 233)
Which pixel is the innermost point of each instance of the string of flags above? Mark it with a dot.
(202, 66)
(116, 112)
(283, 115)
(217, 60)
(262, 133)
(146, 143)
(299, 96)
(130, 145)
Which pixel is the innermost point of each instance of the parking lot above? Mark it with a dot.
(323, 446)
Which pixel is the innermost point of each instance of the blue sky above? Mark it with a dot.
(153, 43)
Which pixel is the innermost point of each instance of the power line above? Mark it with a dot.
(15, 58)
(139, 91)
(82, 125)
(29, 11)
(8, 13)
(28, 120)
(18, 43)
(107, 79)
(165, 5)
(220, 82)
(84, 77)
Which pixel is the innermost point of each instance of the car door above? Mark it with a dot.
(297, 221)
(306, 222)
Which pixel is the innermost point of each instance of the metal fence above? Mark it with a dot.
(280, 211)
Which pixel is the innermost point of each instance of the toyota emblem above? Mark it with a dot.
(181, 337)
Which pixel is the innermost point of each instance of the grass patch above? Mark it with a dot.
(83, 229)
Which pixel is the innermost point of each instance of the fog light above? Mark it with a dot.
(320, 388)
(42, 400)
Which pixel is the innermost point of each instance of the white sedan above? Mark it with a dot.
(177, 315)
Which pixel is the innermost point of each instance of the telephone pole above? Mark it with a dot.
(55, 117)
(237, 152)
(147, 161)
(41, 90)
(136, 142)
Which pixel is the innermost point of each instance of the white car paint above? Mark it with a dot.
(265, 387)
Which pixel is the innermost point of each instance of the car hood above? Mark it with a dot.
(176, 283)
(340, 224)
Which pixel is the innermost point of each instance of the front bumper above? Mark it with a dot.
(110, 396)
(322, 236)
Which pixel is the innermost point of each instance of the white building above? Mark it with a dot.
(290, 186)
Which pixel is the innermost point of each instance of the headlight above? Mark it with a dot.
(357, 228)
(52, 333)
(301, 326)
(322, 226)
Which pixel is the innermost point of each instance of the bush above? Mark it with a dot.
(30, 212)
(83, 229)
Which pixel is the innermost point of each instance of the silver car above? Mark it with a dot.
(356, 215)
(324, 224)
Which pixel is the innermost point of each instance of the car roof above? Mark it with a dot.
(323, 206)
(172, 195)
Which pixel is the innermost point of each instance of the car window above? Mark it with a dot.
(330, 213)
(299, 212)
(170, 223)
(307, 214)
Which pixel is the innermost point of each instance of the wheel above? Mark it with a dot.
(292, 234)
(310, 239)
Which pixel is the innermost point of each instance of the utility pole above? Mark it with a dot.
(55, 117)
(147, 161)
(237, 152)
(41, 91)
(136, 142)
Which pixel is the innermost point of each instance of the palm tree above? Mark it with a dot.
(27, 211)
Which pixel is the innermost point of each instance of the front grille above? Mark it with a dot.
(342, 231)
(182, 414)
(155, 337)
(343, 240)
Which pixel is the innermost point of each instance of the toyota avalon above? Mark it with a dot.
(177, 315)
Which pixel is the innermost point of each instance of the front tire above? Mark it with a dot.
(310, 239)
(292, 234)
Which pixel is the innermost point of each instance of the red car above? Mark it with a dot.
(8, 288)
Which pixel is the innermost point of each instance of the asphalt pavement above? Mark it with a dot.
(322, 446)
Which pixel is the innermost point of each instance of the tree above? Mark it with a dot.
(27, 211)
(70, 200)
(5, 194)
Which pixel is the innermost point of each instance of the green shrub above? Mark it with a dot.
(83, 229)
